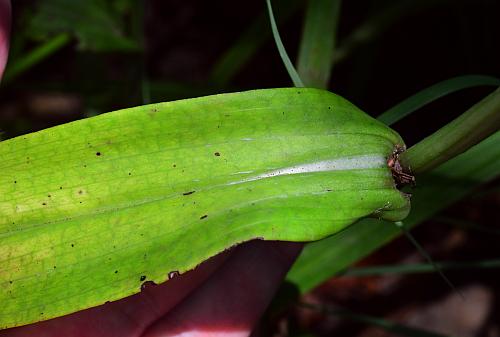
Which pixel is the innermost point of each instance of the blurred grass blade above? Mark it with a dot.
(395, 328)
(17, 66)
(380, 22)
(435, 191)
(96, 24)
(281, 49)
(434, 92)
(315, 58)
(252, 39)
(417, 268)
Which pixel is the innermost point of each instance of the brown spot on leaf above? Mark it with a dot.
(147, 284)
(173, 274)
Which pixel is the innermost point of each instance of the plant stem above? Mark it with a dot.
(477, 123)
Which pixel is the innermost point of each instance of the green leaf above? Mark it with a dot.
(435, 191)
(434, 92)
(93, 22)
(92, 209)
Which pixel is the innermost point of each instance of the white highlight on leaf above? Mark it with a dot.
(340, 164)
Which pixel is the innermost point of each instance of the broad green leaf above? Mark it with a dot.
(435, 190)
(95, 23)
(92, 209)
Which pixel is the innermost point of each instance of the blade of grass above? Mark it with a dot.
(434, 92)
(281, 49)
(477, 123)
(37, 55)
(417, 268)
(436, 190)
(396, 328)
(318, 41)
(426, 256)
(242, 51)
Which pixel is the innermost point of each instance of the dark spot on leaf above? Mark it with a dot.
(174, 165)
(84, 165)
(329, 190)
(55, 267)
(98, 153)
(116, 271)
(72, 245)
(203, 217)
(173, 274)
(147, 284)
(49, 196)
(15, 181)
(44, 204)
(130, 173)
(217, 154)
(80, 192)
(188, 193)
(81, 202)
(143, 277)
(60, 187)
(329, 107)
(10, 281)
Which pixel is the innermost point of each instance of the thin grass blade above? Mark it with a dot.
(434, 92)
(392, 327)
(292, 72)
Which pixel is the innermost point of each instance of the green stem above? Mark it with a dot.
(474, 125)
(35, 56)
(318, 41)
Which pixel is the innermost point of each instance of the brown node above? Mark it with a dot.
(401, 177)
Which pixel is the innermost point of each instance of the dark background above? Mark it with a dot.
(178, 42)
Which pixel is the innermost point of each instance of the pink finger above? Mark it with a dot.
(5, 18)
(232, 300)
